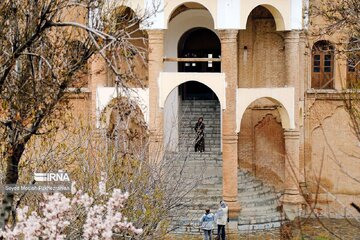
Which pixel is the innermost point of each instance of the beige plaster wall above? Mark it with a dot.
(80, 106)
(333, 154)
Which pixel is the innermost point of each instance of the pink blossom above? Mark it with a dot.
(57, 212)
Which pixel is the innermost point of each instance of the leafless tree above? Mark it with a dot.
(44, 47)
(157, 187)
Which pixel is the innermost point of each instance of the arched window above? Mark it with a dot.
(322, 65)
(199, 43)
(130, 54)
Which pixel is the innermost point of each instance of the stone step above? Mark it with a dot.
(259, 199)
(199, 198)
(193, 141)
(257, 227)
(210, 148)
(189, 123)
(207, 149)
(185, 106)
(203, 192)
(200, 160)
(202, 205)
(193, 115)
(260, 219)
(190, 132)
(254, 186)
(214, 137)
(189, 118)
(258, 210)
(208, 113)
(260, 202)
(251, 195)
(208, 144)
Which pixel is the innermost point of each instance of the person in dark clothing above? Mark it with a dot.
(200, 140)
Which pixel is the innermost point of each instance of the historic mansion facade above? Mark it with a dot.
(272, 94)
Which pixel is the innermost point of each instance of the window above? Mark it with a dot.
(353, 74)
(353, 63)
(322, 65)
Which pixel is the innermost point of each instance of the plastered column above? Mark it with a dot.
(229, 65)
(156, 52)
(292, 64)
(301, 90)
(292, 198)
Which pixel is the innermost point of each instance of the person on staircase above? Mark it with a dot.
(207, 222)
(221, 217)
(200, 138)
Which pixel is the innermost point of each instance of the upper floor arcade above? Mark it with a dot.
(226, 14)
(182, 22)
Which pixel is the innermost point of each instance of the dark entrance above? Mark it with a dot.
(198, 43)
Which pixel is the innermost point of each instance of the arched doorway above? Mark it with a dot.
(190, 110)
(125, 126)
(198, 43)
(261, 151)
(263, 47)
(130, 56)
(261, 143)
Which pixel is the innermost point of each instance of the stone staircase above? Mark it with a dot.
(258, 201)
(259, 204)
(190, 111)
(206, 194)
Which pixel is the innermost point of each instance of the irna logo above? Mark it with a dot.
(52, 177)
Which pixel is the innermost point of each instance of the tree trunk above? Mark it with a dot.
(12, 156)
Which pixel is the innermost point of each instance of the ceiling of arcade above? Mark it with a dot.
(186, 6)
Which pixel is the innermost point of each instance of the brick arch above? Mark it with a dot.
(278, 10)
(134, 5)
(126, 104)
(173, 5)
(105, 95)
(169, 81)
(284, 97)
